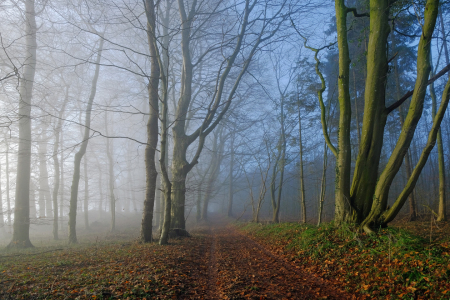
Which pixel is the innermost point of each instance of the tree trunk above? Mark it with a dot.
(8, 199)
(21, 227)
(390, 213)
(86, 195)
(112, 198)
(376, 217)
(62, 190)
(343, 208)
(407, 161)
(44, 188)
(216, 161)
(230, 186)
(82, 151)
(2, 220)
(33, 210)
(56, 165)
(442, 209)
(302, 179)
(323, 184)
(358, 128)
(100, 188)
(441, 165)
(152, 125)
(374, 119)
(111, 176)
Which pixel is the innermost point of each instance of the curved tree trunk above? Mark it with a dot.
(82, 151)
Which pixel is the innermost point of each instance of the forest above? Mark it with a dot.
(224, 149)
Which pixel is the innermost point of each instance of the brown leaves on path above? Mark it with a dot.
(246, 270)
(216, 263)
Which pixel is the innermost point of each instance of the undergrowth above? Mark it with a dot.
(392, 264)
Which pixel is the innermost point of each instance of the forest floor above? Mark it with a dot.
(408, 260)
(233, 261)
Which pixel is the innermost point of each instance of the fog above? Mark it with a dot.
(107, 108)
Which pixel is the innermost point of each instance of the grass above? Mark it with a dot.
(393, 264)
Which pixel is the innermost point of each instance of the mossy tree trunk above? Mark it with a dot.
(377, 216)
(366, 202)
(343, 208)
(442, 209)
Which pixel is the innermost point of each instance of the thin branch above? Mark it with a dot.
(409, 93)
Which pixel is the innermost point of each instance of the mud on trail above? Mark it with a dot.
(240, 268)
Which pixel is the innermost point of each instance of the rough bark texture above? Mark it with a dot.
(21, 227)
(82, 151)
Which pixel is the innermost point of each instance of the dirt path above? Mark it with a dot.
(240, 268)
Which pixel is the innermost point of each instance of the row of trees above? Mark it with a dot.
(235, 91)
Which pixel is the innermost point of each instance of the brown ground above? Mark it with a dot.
(240, 268)
(217, 262)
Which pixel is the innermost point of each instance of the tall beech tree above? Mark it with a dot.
(222, 97)
(21, 227)
(152, 124)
